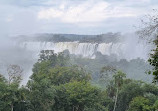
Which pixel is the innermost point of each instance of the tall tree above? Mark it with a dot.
(149, 31)
(118, 80)
(14, 78)
(10, 93)
(14, 73)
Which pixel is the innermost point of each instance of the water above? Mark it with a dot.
(88, 50)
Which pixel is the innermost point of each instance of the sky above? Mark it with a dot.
(72, 16)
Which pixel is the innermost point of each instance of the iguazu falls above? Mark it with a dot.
(75, 55)
(106, 44)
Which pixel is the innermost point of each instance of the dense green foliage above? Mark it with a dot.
(11, 95)
(154, 61)
(139, 104)
(134, 68)
(57, 85)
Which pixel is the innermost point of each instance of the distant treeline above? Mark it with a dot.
(102, 38)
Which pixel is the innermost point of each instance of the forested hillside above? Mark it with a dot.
(58, 85)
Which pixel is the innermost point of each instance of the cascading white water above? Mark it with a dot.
(88, 49)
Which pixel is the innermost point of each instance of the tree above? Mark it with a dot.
(114, 81)
(59, 59)
(139, 104)
(150, 32)
(22, 104)
(3, 90)
(153, 60)
(62, 75)
(118, 80)
(43, 87)
(14, 73)
(155, 106)
(78, 96)
(49, 73)
(48, 59)
(149, 25)
(41, 94)
(9, 94)
(14, 78)
(129, 90)
(106, 74)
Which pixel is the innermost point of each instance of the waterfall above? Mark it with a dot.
(87, 49)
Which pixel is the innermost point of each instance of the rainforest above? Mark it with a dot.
(72, 55)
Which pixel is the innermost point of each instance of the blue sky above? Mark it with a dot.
(72, 16)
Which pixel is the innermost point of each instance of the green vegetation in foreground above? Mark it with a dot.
(56, 85)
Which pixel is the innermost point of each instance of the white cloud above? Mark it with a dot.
(49, 13)
(9, 19)
(139, 1)
(72, 16)
(85, 12)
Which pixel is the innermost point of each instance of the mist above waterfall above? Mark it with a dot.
(12, 54)
(24, 50)
(136, 47)
(124, 46)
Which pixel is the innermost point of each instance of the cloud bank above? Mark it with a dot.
(72, 16)
(86, 12)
